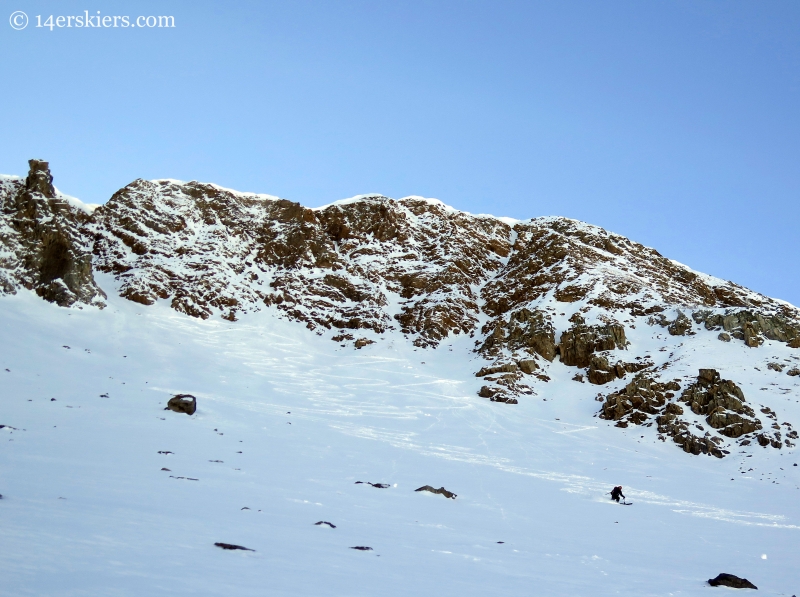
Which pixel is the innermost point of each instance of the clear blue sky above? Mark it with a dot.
(674, 123)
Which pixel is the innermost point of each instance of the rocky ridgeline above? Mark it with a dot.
(360, 268)
(719, 403)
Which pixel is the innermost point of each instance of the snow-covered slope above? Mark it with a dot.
(527, 366)
(287, 424)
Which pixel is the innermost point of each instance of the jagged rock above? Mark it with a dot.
(640, 398)
(45, 248)
(644, 398)
(753, 326)
(440, 491)
(504, 368)
(362, 342)
(730, 580)
(680, 326)
(496, 394)
(527, 330)
(209, 251)
(794, 371)
(723, 402)
(601, 372)
(724, 336)
(580, 341)
(182, 403)
(775, 367)
(489, 391)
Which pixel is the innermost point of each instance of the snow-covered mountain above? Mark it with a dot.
(485, 352)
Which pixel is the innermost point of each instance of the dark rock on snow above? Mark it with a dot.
(730, 580)
(232, 546)
(441, 491)
(321, 522)
(182, 403)
(362, 548)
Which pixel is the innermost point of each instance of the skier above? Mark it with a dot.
(616, 493)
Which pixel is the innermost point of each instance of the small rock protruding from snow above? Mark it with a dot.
(182, 403)
(440, 491)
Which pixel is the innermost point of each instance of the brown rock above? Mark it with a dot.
(579, 342)
(600, 372)
(504, 368)
(440, 491)
(182, 403)
(680, 326)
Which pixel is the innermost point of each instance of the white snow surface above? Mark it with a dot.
(77, 203)
(288, 421)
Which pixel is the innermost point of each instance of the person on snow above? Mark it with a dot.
(616, 493)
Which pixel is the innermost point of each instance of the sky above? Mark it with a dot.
(674, 123)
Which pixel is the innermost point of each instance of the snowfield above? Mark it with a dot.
(288, 422)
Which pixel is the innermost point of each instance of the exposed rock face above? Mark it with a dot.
(680, 326)
(44, 249)
(723, 402)
(359, 268)
(601, 372)
(581, 341)
(531, 331)
(641, 397)
(720, 401)
(333, 267)
(751, 326)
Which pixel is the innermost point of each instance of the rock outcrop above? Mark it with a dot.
(44, 248)
(720, 402)
(580, 342)
(602, 372)
(723, 404)
(751, 326)
(531, 295)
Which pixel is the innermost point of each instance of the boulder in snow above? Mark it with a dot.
(731, 580)
(182, 403)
